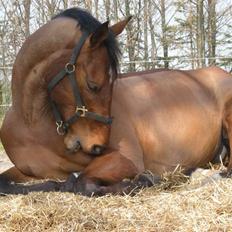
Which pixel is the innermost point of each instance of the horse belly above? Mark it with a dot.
(188, 138)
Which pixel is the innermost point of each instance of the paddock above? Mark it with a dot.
(178, 204)
(155, 38)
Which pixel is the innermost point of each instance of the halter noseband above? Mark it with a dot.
(81, 110)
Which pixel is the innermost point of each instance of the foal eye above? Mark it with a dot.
(93, 86)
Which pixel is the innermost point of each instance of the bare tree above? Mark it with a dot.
(130, 42)
(200, 33)
(145, 31)
(212, 30)
(156, 36)
(151, 23)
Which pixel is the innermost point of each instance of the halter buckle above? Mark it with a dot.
(70, 68)
(82, 111)
(59, 128)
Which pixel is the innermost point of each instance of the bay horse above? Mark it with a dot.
(62, 83)
(161, 119)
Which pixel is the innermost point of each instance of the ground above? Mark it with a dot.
(178, 204)
(4, 162)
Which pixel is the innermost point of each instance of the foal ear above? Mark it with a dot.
(119, 27)
(97, 37)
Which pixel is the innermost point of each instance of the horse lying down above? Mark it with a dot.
(179, 122)
(125, 187)
(59, 122)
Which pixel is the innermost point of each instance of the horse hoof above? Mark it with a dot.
(147, 179)
(226, 174)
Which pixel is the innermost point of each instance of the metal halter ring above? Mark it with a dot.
(59, 128)
(82, 111)
(70, 68)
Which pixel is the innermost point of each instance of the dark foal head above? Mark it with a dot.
(96, 69)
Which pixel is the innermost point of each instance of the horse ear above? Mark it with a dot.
(97, 37)
(119, 27)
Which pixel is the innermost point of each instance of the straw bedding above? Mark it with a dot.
(178, 204)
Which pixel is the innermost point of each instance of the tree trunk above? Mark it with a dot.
(107, 8)
(27, 7)
(152, 34)
(200, 33)
(131, 50)
(115, 10)
(96, 8)
(191, 37)
(212, 31)
(145, 33)
(164, 33)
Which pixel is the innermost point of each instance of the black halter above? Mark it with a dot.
(81, 110)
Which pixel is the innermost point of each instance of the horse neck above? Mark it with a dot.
(37, 56)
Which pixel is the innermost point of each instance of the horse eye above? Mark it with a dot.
(93, 86)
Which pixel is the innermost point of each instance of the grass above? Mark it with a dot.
(183, 206)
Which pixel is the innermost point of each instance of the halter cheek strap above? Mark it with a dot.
(81, 110)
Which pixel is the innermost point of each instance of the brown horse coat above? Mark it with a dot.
(167, 118)
(29, 132)
(161, 119)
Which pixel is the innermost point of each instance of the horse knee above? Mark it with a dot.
(93, 187)
(79, 184)
(147, 179)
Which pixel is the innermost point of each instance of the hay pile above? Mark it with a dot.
(178, 204)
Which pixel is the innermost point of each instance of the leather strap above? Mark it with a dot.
(81, 110)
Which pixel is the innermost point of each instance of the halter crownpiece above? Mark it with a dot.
(81, 110)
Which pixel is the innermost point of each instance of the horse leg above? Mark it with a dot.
(11, 188)
(107, 174)
(92, 188)
(15, 175)
(104, 170)
(111, 173)
(130, 187)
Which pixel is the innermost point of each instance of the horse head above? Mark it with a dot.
(84, 94)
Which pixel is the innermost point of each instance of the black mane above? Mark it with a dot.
(89, 24)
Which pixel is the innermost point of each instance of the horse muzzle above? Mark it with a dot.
(73, 148)
(97, 149)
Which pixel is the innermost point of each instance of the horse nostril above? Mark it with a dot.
(77, 145)
(74, 147)
(97, 149)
